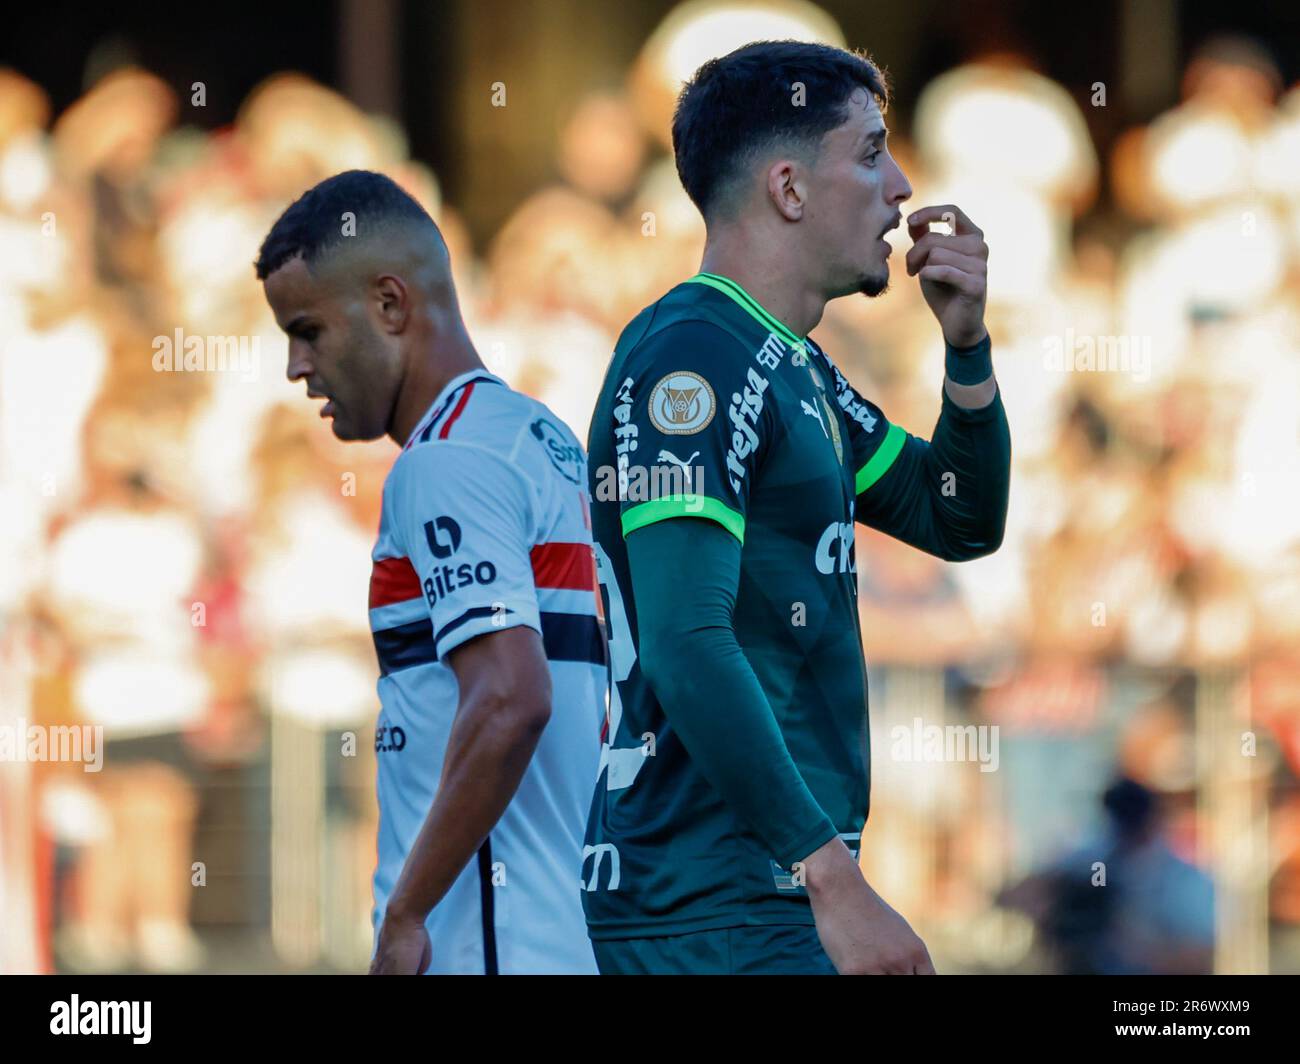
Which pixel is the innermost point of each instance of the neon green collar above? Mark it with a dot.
(749, 304)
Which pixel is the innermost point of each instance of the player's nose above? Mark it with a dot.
(897, 187)
(299, 366)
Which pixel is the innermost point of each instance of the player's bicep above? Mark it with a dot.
(465, 521)
(888, 464)
(890, 496)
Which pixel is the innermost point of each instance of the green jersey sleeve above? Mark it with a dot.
(947, 495)
(691, 426)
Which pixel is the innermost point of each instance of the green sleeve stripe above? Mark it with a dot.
(747, 303)
(683, 506)
(878, 464)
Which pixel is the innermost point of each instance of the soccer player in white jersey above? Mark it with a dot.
(482, 599)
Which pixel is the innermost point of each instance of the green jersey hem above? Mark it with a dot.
(788, 915)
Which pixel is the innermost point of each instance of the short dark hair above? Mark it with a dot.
(1132, 806)
(313, 223)
(743, 103)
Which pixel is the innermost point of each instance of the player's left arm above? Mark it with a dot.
(505, 702)
(946, 495)
(464, 517)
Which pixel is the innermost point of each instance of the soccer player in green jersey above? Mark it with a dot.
(729, 461)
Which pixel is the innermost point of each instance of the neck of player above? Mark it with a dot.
(445, 354)
(773, 280)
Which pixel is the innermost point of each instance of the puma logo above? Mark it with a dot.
(668, 456)
(812, 411)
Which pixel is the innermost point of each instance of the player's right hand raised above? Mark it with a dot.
(860, 932)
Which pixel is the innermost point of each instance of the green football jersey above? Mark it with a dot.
(711, 408)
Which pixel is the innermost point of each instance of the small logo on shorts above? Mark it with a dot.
(681, 404)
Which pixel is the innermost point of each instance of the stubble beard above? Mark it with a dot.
(876, 284)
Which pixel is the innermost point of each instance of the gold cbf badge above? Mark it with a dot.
(681, 404)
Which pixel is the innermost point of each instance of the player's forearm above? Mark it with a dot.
(724, 721)
(491, 743)
(948, 496)
(708, 690)
(968, 374)
(968, 467)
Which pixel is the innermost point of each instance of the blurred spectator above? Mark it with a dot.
(1123, 904)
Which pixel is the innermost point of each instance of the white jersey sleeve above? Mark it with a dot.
(466, 520)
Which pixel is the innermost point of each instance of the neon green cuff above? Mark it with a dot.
(647, 513)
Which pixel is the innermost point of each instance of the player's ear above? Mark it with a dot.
(391, 302)
(785, 189)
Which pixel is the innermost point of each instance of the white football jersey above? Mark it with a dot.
(486, 526)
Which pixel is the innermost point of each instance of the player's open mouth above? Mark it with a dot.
(328, 408)
(884, 236)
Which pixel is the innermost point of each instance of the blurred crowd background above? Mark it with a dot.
(184, 554)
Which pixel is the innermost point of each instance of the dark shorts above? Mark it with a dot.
(780, 949)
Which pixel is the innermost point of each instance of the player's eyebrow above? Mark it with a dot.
(295, 323)
(874, 137)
